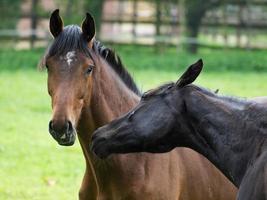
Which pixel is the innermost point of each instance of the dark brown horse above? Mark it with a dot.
(89, 87)
(230, 132)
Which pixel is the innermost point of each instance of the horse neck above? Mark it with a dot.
(224, 131)
(111, 97)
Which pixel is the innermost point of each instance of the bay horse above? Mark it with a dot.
(230, 132)
(89, 87)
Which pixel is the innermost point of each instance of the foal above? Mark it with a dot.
(89, 87)
(231, 133)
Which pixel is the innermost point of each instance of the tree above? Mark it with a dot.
(33, 22)
(9, 13)
(195, 10)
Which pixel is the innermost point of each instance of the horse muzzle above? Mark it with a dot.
(100, 144)
(64, 134)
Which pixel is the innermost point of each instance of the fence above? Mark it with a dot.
(240, 24)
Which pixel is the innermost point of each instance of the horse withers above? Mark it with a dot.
(90, 87)
(230, 132)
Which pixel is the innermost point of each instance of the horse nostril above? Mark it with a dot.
(50, 125)
(60, 128)
(69, 126)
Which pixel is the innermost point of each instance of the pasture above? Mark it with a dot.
(33, 166)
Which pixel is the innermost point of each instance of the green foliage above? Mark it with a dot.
(9, 13)
(95, 8)
(194, 12)
(73, 12)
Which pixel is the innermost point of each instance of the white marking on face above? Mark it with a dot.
(63, 137)
(69, 57)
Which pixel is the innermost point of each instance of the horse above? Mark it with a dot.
(230, 132)
(89, 87)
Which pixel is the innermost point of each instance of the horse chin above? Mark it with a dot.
(69, 140)
(158, 148)
(102, 155)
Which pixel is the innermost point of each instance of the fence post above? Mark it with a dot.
(134, 18)
(225, 35)
(33, 22)
(248, 23)
(181, 21)
(157, 24)
(240, 25)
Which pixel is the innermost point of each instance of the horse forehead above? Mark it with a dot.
(69, 57)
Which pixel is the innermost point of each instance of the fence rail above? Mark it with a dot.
(241, 24)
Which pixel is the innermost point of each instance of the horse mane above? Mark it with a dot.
(167, 87)
(115, 62)
(162, 89)
(71, 39)
(231, 99)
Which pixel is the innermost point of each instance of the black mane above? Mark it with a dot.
(162, 89)
(167, 87)
(115, 61)
(231, 99)
(71, 39)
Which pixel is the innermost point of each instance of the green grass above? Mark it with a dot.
(32, 165)
(140, 57)
(214, 60)
(246, 85)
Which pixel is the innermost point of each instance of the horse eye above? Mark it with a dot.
(89, 69)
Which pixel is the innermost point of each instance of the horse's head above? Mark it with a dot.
(149, 127)
(70, 66)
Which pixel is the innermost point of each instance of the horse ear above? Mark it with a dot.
(55, 23)
(190, 74)
(88, 27)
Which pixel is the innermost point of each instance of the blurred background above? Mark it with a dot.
(155, 39)
(208, 23)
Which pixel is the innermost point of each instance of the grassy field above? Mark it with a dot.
(33, 166)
